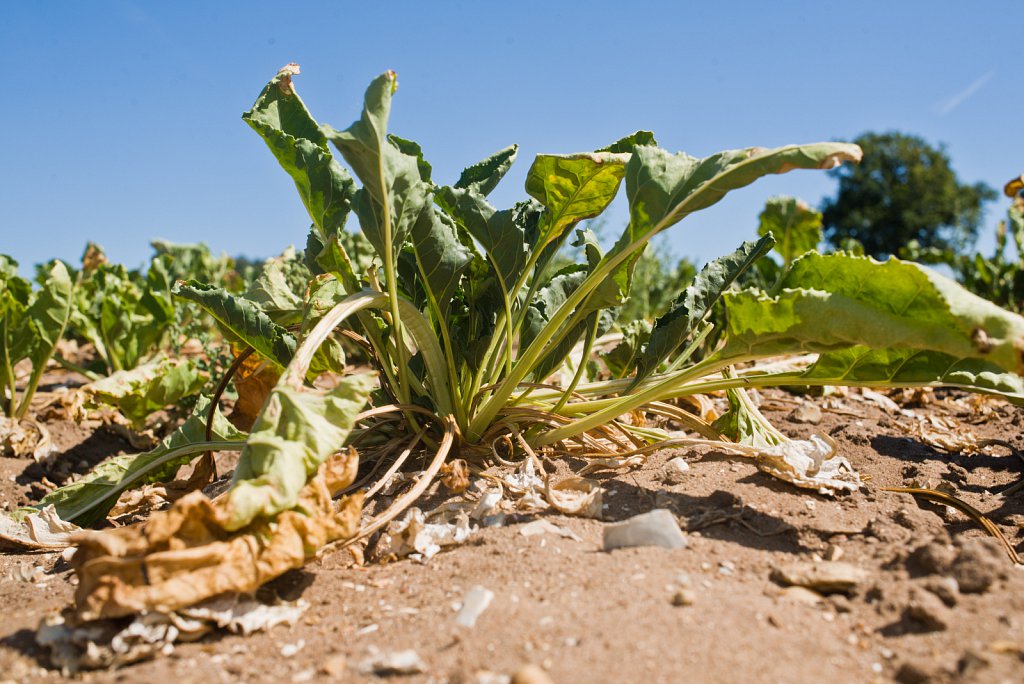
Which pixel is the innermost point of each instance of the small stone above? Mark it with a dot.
(840, 603)
(946, 588)
(531, 674)
(684, 597)
(978, 565)
(915, 672)
(801, 595)
(475, 602)
(727, 568)
(833, 552)
(826, 577)
(335, 666)
(806, 413)
(655, 528)
(394, 663)
(927, 609)
(971, 663)
(676, 471)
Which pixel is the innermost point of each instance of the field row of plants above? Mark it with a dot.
(423, 325)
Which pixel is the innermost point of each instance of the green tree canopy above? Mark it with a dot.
(903, 190)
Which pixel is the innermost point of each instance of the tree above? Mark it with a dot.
(903, 190)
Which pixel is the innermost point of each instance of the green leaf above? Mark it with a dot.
(547, 300)
(440, 256)
(413, 149)
(833, 302)
(629, 142)
(297, 430)
(323, 294)
(280, 117)
(911, 367)
(573, 188)
(485, 175)
(243, 319)
(393, 192)
(745, 424)
(498, 232)
(275, 293)
(89, 499)
(622, 359)
(663, 188)
(147, 388)
(796, 227)
(695, 303)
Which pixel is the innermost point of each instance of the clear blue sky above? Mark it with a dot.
(121, 119)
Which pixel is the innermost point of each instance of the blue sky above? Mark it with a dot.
(122, 118)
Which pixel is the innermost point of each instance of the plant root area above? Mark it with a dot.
(932, 597)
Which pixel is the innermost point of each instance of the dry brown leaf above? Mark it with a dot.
(25, 437)
(455, 475)
(183, 555)
(253, 382)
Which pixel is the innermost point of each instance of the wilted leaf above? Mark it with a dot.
(39, 530)
(148, 388)
(297, 430)
(25, 437)
(88, 499)
(834, 302)
(186, 554)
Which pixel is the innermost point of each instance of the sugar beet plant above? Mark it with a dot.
(465, 318)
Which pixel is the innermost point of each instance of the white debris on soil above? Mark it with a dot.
(542, 526)
(413, 536)
(655, 528)
(105, 644)
(475, 602)
(389, 663)
(809, 463)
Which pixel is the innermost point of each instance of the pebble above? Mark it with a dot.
(676, 471)
(473, 605)
(946, 588)
(928, 609)
(826, 577)
(684, 597)
(808, 413)
(531, 674)
(655, 528)
(394, 663)
(335, 666)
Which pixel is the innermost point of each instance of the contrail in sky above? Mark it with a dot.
(952, 103)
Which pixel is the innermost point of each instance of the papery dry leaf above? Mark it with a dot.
(809, 463)
(414, 535)
(25, 437)
(42, 530)
(577, 496)
(110, 643)
(183, 555)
